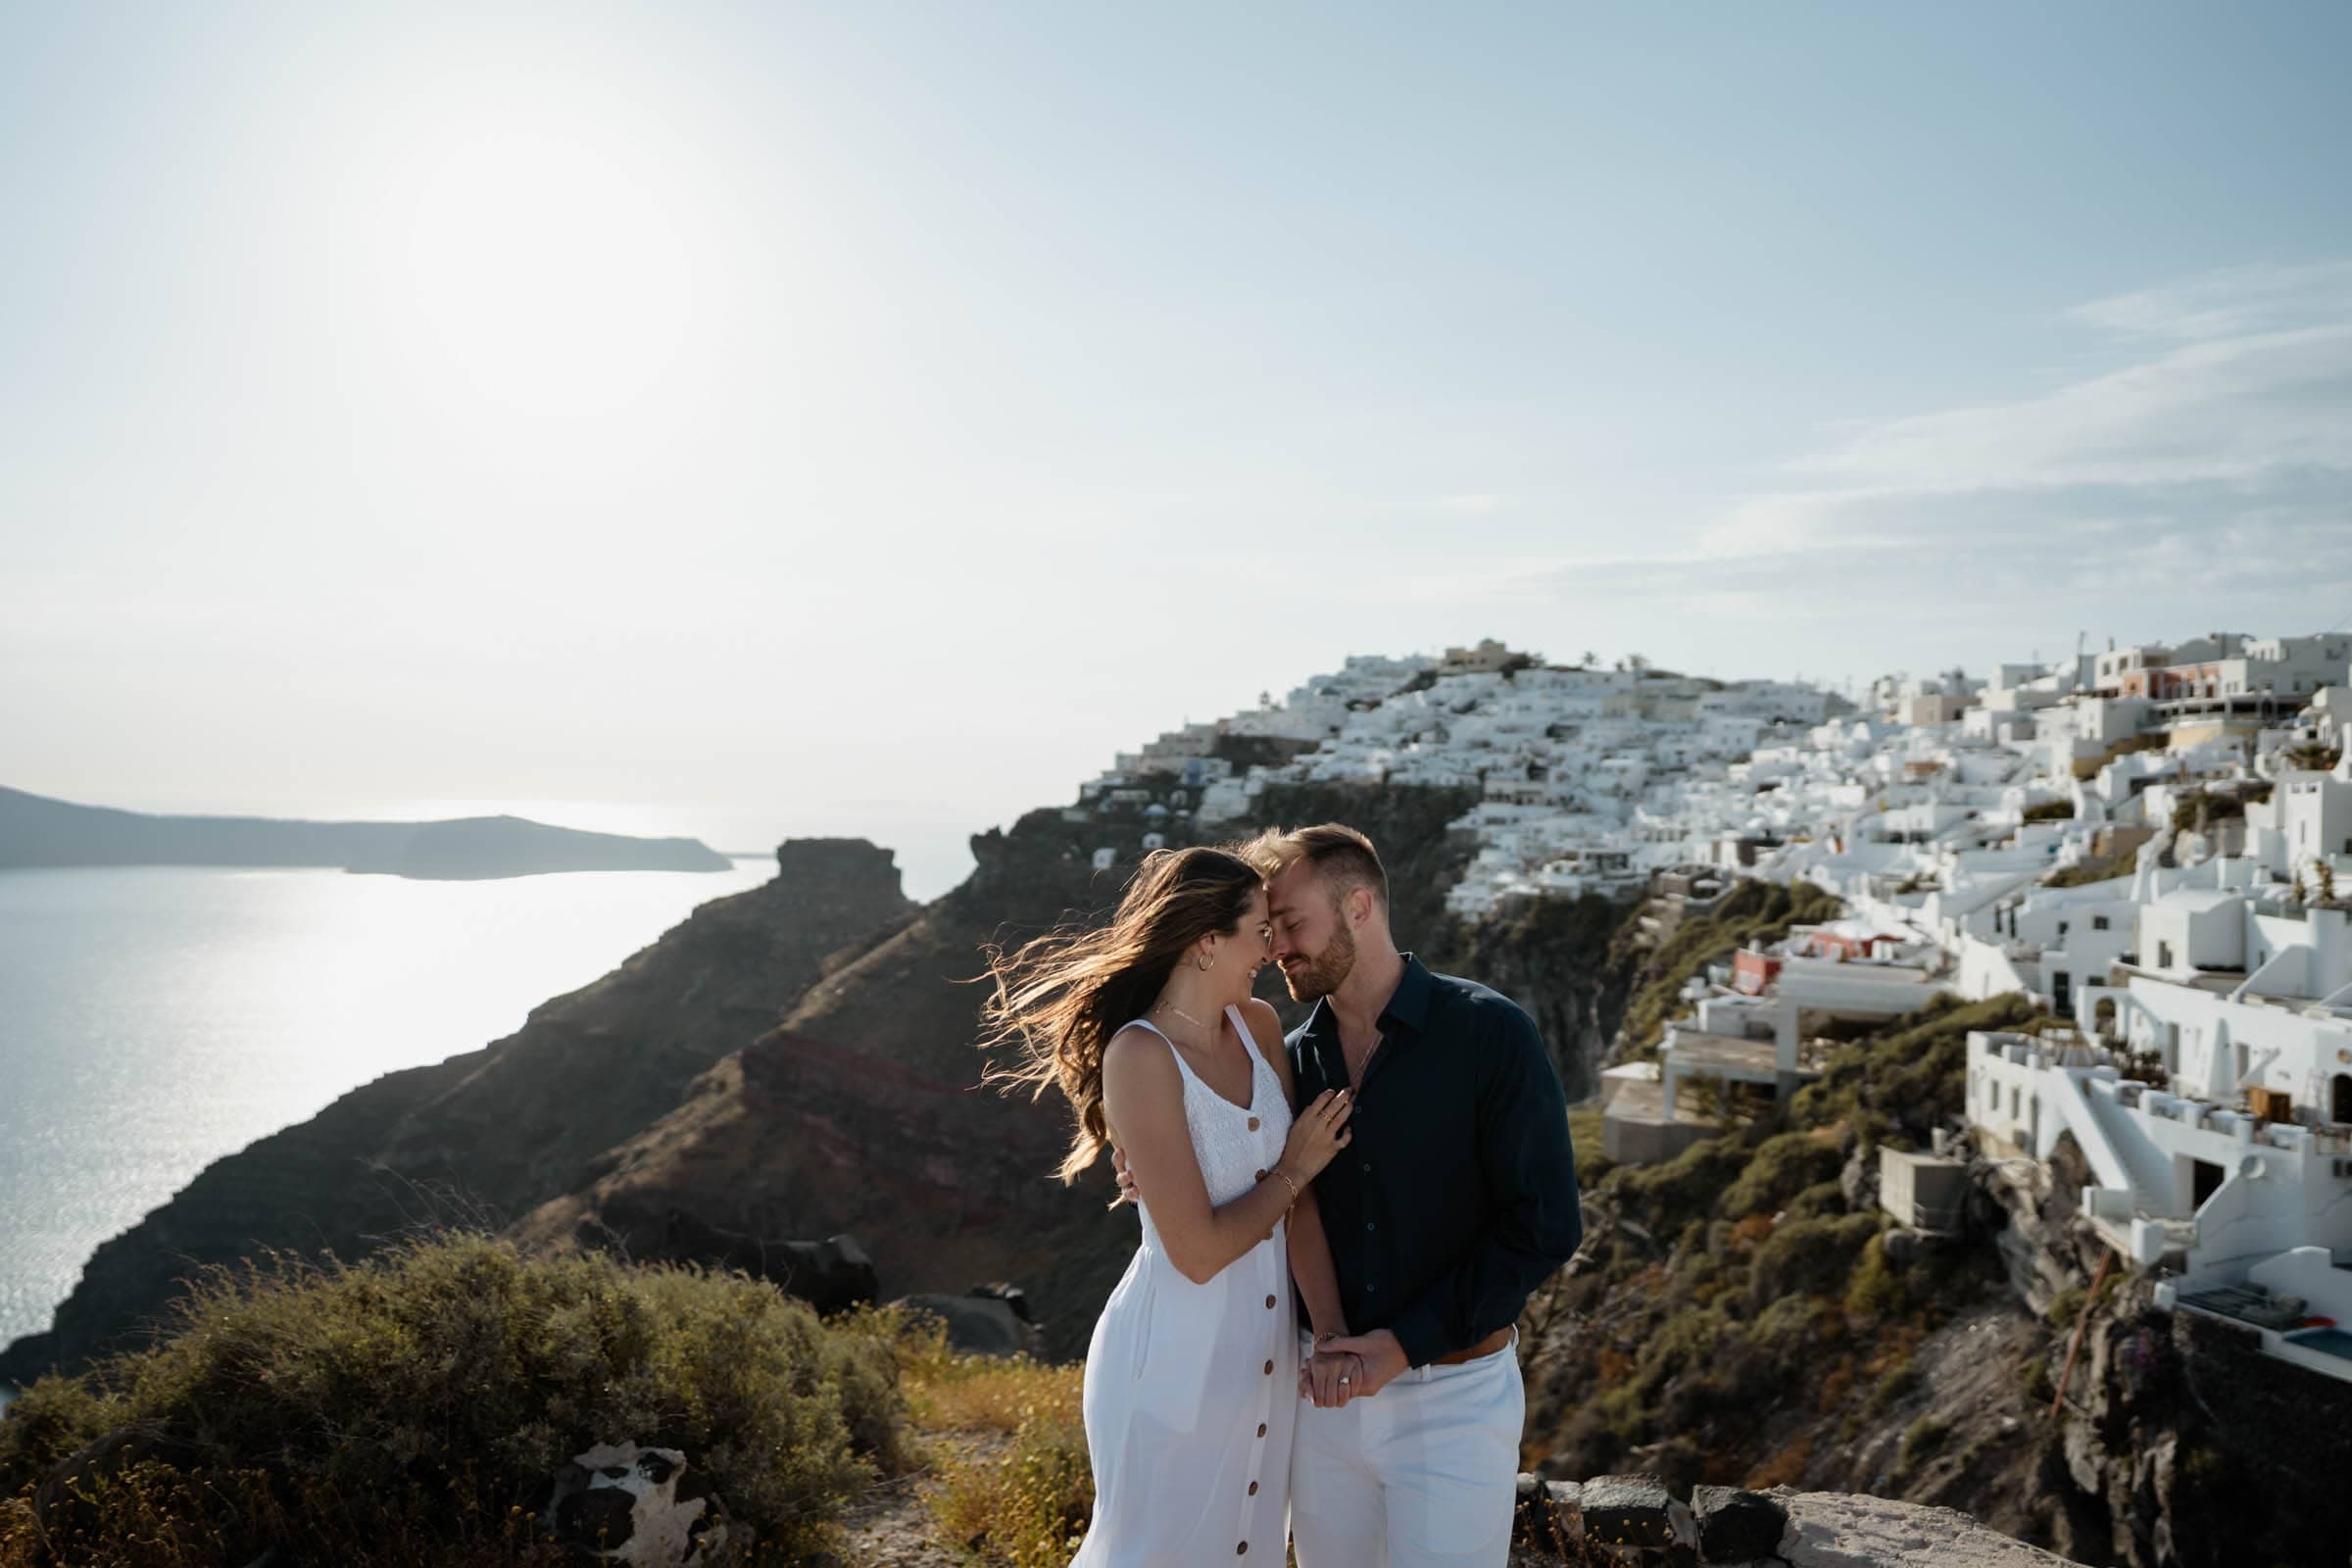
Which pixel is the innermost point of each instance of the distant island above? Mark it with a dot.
(38, 831)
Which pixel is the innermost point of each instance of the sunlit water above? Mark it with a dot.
(154, 1019)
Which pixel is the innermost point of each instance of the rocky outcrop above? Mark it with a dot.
(1638, 1522)
(865, 1109)
(986, 1320)
(648, 1508)
(493, 1133)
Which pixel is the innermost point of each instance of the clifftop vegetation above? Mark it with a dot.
(412, 1410)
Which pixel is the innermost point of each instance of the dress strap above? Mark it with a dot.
(1183, 1067)
(1257, 1055)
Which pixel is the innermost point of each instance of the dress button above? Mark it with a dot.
(1262, 1175)
(1269, 1303)
(1253, 1489)
(1269, 1369)
(1261, 1429)
(1253, 1124)
(1241, 1550)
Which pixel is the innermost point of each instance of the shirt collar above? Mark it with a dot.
(1409, 1004)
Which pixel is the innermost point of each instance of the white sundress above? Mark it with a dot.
(1192, 1391)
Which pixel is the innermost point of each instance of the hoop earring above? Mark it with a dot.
(1206, 965)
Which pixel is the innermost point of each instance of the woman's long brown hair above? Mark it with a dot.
(1060, 997)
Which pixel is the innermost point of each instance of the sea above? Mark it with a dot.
(152, 1019)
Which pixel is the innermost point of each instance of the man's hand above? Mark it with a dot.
(1329, 1379)
(1381, 1356)
(1118, 1163)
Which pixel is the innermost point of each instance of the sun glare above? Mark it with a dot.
(549, 275)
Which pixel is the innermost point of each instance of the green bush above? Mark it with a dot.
(1899, 1380)
(1673, 1195)
(1875, 1289)
(1781, 1168)
(1809, 1257)
(2050, 812)
(425, 1395)
(1902, 1082)
(1821, 1198)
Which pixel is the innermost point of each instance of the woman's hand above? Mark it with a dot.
(1320, 1134)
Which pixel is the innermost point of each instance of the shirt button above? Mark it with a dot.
(1367, 1224)
(1367, 1167)
(1369, 1289)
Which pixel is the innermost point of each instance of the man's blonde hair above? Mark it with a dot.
(1341, 855)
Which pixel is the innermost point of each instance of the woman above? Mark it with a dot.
(1191, 1378)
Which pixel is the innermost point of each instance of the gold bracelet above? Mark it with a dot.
(1287, 1182)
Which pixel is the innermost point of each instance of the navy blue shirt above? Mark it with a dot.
(1456, 1197)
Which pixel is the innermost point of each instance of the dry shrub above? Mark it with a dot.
(1010, 1482)
(411, 1407)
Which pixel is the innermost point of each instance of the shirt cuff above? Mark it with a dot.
(1421, 1335)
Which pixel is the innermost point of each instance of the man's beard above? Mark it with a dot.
(1324, 973)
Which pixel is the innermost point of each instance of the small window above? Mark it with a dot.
(2099, 922)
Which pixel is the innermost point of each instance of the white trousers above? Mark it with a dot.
(1423, 1474)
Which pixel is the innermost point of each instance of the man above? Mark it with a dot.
(1456, 1198)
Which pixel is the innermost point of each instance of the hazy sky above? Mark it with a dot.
(869, 418)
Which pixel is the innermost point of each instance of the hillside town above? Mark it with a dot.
(2146, 840)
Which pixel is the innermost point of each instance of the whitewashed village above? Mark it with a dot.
(2146, 840)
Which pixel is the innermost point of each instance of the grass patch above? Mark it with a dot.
(1009, 1482)
(1923, 1440)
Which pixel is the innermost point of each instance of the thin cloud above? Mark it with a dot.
(2243, 407)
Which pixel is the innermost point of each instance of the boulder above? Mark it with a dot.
(623, 1504)
(1858, 1178)
(833, 1275)
(989, 1320)
(1735, 1525)
(1635, 1516)
(1835, 1530)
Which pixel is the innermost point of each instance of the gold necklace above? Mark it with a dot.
(1181, 1013)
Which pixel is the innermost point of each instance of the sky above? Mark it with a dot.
(769, 420)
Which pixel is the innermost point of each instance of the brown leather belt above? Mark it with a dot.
(1484, 1348)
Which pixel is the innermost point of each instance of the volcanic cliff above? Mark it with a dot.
(492, 1133)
